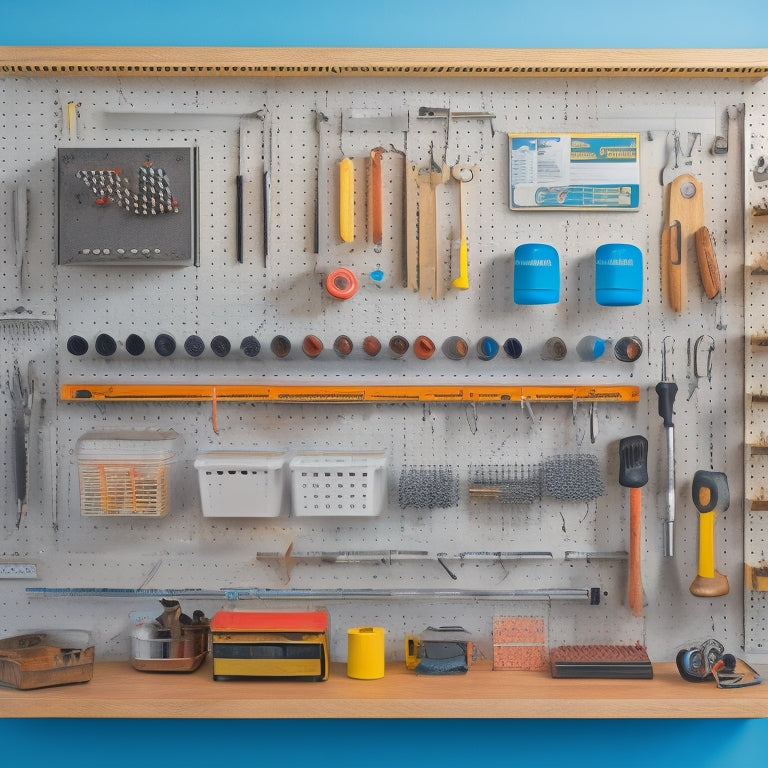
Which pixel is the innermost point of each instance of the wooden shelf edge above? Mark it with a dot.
(306, 61)
(119, 691)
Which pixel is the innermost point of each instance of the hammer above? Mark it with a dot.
(710, 494)
(633, 474)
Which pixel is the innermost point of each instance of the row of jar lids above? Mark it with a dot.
(626, 349)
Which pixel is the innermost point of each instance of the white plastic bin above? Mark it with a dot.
(241, 483)
(329, 484)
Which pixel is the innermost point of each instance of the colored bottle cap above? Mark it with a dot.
(280, 346)
(220, 346)
(455, 348)
(487, 348)
(371, 346)
(250, 346)
(423, 347)
(135, 345)
(628, 349)
(342, 346)
(590, 348)
(398, 345)
(77, 346)
(311, 346)
(105, 345)
(554, 349)
(194, 346)
(513, 348)
(165, 344)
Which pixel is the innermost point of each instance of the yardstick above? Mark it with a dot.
(391, 393)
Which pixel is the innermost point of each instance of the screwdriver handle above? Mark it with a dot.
(667, 391)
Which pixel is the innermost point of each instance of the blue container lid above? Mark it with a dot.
(618, 275)
(537, 274)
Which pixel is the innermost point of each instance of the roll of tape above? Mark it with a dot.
(341, 283)
(365, 653)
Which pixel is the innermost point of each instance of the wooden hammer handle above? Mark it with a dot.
(635, 592)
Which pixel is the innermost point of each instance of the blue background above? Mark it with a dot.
(396, 23)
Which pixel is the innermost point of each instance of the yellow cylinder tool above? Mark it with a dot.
(463, 174)
(346, 200)
(710, 494)
(365, 653)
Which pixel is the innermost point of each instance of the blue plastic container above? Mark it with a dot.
(618, 275)
(537, 274)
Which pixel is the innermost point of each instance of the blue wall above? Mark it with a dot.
(395, 23)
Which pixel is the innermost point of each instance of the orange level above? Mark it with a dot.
(376, 393)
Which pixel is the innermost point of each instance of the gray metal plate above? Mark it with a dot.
(124, 206)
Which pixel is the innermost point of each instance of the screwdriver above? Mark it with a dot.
(667, 390)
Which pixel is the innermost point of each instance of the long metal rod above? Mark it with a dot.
(588, 594)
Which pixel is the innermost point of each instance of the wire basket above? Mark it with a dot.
(339, 484)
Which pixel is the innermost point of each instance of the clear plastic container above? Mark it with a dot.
(126, 472)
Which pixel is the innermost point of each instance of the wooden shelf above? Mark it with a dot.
(119, 691)
(486, 62)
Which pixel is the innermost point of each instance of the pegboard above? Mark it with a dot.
(285, 139)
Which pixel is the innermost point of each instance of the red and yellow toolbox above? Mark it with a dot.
(270, 645)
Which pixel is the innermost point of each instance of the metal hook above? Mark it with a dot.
(709, 350)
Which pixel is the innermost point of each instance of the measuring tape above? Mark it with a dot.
(384, 393)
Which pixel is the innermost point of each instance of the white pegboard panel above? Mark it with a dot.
(284, 295)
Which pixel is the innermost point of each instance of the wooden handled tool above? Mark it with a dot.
(684, 215)
(375, 213)
(710, 494)
(633, 474)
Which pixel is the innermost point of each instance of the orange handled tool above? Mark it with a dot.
(633, 474)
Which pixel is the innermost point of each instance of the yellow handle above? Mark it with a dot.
(707, 545)
(462, 281)
(346, 200)
(412, 651)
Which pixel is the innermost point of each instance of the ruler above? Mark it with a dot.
(379, 393)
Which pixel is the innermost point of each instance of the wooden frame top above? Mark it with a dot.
(299, 61)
